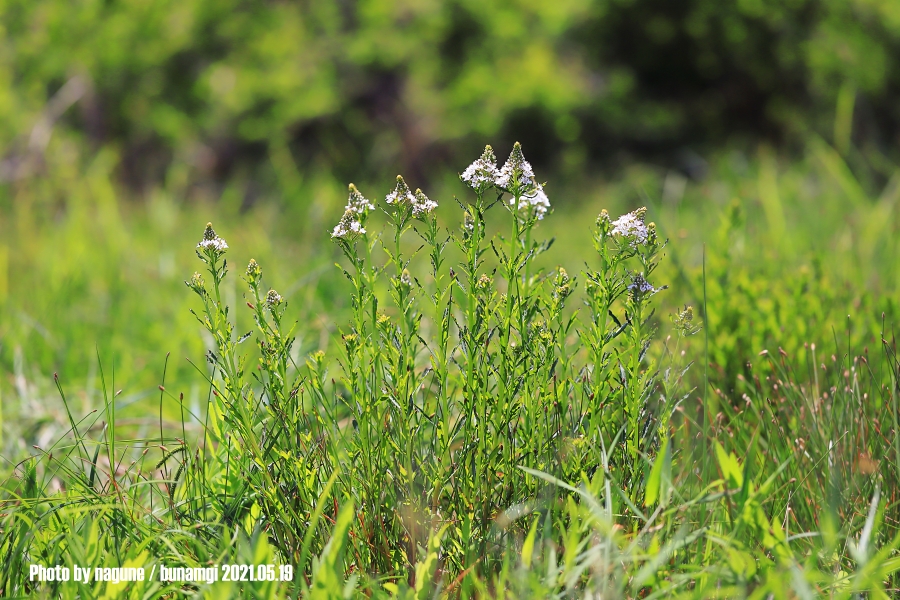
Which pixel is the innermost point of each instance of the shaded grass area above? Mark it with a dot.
(784, 478)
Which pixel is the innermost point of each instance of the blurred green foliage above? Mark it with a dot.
(357, 87)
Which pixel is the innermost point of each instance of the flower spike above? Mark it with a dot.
(211, 241)
(348, 227)
(482, 174)
(516, 174)
(401, 195)
(423, 204)
(357, 202)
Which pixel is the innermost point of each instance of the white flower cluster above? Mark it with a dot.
(418, 201)
(217, 244)
(482, 173)
(516, 176)
(631, 227)
(516, 171)
(348, 227)
(422, 204)
(212, 241)
(538, 201)
(401, 194)
(357, 202)
(351, 223)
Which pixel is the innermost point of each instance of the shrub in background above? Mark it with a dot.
(235, 89)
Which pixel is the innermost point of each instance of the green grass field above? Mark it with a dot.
(451, 405)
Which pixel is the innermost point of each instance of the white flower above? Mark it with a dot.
(631, 227)
(357, 202)
(482, 173)
(401, 194)
(216, 244)
(516, 171)
(538, 201)
(348, 227)
(211, 240)
(422, 204)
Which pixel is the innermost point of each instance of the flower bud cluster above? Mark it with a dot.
(604, 223)
(348, 227)
(212, 242)
(197, 284)
(402, 197)
(640, 287)
(351, 223)
(684, 321)
(536, 199)
(406, 279)
(273, 299)
(254, 272)
(357, 202)
(562, 285)
(468, 221)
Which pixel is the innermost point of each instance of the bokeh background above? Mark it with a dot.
(768, 131)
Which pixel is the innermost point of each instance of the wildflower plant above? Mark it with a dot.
(263, 437)
(479, 427)
(456, 382)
